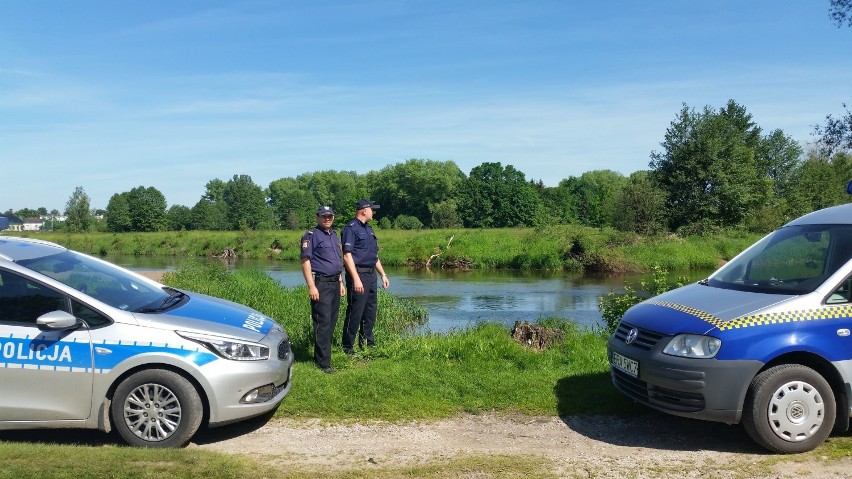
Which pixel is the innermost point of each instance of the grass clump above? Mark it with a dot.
(51, 461)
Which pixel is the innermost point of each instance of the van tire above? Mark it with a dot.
(789, 408)
(156, 408)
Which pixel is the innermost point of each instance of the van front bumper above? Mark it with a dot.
(707, 389)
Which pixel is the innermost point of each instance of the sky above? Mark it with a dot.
(170, 94)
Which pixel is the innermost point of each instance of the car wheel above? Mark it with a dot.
(789, 408)
(156, 408)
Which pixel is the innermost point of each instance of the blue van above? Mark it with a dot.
(766, 340)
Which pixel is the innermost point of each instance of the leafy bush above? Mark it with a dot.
(614, 305)
(405, 222)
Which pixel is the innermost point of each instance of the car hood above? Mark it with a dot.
(212, 315)
(698, 309)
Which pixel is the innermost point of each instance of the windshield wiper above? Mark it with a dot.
(175, 298)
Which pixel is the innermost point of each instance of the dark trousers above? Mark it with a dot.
(324, 316)
(360, 312)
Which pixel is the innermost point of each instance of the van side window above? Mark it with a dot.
(841, 295)
(23, 301)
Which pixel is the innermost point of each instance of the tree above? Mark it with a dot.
(293, 206)
(445, 214)
(208, 215)
(26, 213)
(779, 157)
(147, 207)
(497, 197)
(707, 167)
(590, 199)
(819, 183)
(179, 218)
(835, 135)
(841, 12)
(78, 218)
(118, 214)
(246, 203)
(410, 188)
(639, 206)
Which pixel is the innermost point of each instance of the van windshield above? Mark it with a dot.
(792, 260)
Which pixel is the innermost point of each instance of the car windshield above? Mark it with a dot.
(103, 281)
(792, 260)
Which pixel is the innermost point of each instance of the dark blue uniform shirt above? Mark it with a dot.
(323, 249)
(360, 240)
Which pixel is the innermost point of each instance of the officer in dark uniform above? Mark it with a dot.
(322, 264)
(361, 258)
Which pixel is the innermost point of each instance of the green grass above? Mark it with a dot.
(48, 461)
(52, 461)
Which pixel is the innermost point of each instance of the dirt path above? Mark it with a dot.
(649, 446)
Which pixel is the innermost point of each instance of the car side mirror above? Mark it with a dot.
(55, 320)
(849, 187)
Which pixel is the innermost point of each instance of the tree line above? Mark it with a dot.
(715, 168)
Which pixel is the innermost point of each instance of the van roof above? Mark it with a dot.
(835, 215)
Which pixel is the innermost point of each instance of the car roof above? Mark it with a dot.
(16, 249)
(835, 215)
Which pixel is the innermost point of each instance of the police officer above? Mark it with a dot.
(322, 264)
(361, 258)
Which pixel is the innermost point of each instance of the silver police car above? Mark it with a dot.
(87, 344)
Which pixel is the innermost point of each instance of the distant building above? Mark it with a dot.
(11, 223)
(32, 224)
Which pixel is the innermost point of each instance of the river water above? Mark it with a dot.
(458, 299)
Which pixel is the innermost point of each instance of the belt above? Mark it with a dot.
(364, 269)
(322, 277)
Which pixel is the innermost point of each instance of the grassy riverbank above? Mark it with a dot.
(422, 376)
(572, 248)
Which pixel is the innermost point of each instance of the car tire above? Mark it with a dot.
(789, 408)
(156, 408)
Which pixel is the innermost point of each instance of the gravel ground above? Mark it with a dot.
(651, 445)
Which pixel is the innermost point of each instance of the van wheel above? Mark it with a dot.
(156, 408)
(789, 408)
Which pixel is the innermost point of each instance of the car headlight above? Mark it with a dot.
(229, 348)
(693, 346)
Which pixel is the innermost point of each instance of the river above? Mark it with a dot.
(458, 299)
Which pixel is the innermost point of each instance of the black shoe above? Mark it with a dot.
(329, 370)
(349, 352)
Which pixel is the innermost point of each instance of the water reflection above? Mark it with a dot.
(458, 299)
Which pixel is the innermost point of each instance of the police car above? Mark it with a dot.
(765, 341)
(87, 344)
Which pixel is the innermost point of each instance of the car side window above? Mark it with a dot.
(89, 315)
(23, 301)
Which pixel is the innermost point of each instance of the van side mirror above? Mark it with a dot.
(849, 187)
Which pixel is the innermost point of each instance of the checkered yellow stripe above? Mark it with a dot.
(764, 319)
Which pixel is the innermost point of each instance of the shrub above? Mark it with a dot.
(614, 305)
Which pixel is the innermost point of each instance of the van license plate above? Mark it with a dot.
(623, 363)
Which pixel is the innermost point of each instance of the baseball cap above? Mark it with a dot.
(361, 204)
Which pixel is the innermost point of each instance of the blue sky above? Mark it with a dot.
(111, 95)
